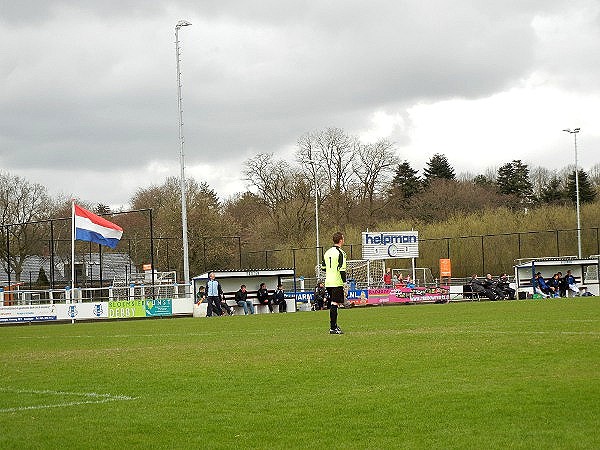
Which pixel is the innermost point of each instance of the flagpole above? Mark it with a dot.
(72, 253)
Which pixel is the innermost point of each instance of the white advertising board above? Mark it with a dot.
(392, 244)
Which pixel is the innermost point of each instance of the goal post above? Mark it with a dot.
(364, 273)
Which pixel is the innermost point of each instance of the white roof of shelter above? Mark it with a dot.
(246, 273)
(556, 261)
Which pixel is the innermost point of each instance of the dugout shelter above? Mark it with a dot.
(585, 271)
(232, 279)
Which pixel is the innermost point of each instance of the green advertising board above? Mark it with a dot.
(123, 309)
(159, 307)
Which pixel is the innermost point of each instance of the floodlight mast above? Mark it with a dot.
(186, 259)
(314, 170)
(574, 133)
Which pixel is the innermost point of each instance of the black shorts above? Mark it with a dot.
(336, 294)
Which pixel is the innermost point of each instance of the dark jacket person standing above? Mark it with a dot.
(334, 265)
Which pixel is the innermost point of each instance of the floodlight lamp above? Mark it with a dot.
(576, 130)
(182, 23)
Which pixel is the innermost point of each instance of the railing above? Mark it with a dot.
(84, 295)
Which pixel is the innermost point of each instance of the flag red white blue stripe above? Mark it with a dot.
(93, 228)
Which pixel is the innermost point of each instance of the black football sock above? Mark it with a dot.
(333, 316)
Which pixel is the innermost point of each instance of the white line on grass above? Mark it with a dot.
(98, 398)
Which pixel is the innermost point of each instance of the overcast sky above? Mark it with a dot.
(89, 94)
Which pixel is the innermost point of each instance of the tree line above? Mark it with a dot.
(356, 185)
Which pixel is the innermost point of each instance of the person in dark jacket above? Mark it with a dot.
(554, 285)
(263, 296)
(225, 307)
(572, 284)
(320, 296)
(241, 298)
(504, 285)
(279, 299)
(539, 285)
(490, 284)
(478, 287)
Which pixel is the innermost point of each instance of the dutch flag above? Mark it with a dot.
(90, 227)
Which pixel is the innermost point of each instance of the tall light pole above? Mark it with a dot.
(186, 259)
(313, 164)
(574, 133)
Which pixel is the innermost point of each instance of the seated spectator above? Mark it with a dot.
(490, 283)
(320, 296)
(263, 296)
(478, 287)
(554, 285)
(571, 284)
(201, 295)
(225, 307)
(408, 283)
(562, 285)
(241, 298)
(279, 298)
(504, 285)
(540, 286)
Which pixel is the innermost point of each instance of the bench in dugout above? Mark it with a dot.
(526, 288)
(259, 308)
(469, 294)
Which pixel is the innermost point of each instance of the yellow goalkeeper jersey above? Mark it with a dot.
(334, 263)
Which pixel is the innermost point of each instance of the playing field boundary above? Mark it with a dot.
(92, 398)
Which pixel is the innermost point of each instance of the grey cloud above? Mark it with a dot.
(256, 75)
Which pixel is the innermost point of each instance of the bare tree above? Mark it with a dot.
(594, 173)
(540, 177)
(285, 192)
(333, 153)
(374, 166)
(21, 203)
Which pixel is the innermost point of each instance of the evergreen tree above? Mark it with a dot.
(483, 181)
(42, 279)
(553, 192)
(406, 182)
(438, 167)
(513, 179)
(587, 193)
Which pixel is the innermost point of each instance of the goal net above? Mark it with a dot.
(363, 272)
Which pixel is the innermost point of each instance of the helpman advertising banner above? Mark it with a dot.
(394, 244)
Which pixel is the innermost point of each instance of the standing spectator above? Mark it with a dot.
(570, 282)
(387, 277)
(263, 296)
(241, 298)
(504, 285)
(279, 298)
(334, 265)
(320, 296)
(214, 294)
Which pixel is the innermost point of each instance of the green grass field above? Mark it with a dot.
(515, 374)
